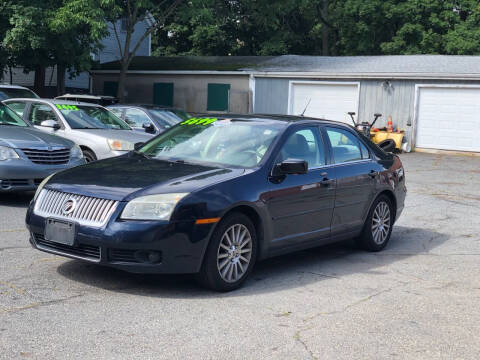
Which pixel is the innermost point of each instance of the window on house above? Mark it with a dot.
(163, 94)
(218, 97)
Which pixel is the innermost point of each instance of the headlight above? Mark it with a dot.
(120, 145)
(40, 187)
(7, 153)
(76, 152)
(152, 207)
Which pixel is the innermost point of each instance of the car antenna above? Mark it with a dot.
(306, 106)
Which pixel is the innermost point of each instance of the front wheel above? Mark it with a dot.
(89, 155)
(378, 226)
(231, 254)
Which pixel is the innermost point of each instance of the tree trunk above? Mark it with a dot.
(60, 79)
(39, 82)
(121, 81)
(325, 29)
(10, 71)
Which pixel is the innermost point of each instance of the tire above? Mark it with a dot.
(378, 226)
(387, 145)
(225, 267)
(89, 155)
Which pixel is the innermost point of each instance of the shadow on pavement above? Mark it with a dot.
(16, 199)
(275, 274)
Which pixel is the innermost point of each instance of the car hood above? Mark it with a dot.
(127, 135)
(132, 175)
(29, 137)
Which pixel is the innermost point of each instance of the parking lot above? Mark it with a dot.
(419, 298)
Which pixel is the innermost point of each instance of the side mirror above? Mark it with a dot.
(138, 145)
(149, 128)
(51, 124)
(293, 167)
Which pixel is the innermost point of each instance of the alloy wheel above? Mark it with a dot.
(234, 253)
(381, 221)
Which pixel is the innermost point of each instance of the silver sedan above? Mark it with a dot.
(99, 133)
(28, 155)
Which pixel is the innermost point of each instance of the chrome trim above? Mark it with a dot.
(90, 211)
(61, 253)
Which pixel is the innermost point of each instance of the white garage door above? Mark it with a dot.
(448, 119)
(330, 101)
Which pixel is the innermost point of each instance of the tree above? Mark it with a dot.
(78, 27)
(314, 27)
(155, 13)
(53, 32)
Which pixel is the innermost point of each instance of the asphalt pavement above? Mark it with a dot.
(418, 299)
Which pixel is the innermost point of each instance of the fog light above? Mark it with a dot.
(154, 257)
(149, 257)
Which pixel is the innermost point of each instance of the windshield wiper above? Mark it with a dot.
(141, 154)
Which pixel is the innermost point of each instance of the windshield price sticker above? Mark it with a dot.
(198, 121)
(67, 107)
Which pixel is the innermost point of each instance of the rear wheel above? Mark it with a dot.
(89, 155)
(231, 254)
(378, 226)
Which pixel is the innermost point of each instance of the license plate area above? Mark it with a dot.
(59, 231)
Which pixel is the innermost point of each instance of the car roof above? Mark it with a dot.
(11, 86)
(53, 101)
(273, 117)
(146, 106)
(84, 96)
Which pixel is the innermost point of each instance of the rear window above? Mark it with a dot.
(8, 93)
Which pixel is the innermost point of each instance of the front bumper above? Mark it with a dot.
(133, 246)
(23, 175)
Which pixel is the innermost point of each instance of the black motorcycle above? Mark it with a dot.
(387, 145)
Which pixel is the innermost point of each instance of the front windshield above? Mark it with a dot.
(169, 117)
(229, 142)
(9, 117)
(8, 93)
(90, 117)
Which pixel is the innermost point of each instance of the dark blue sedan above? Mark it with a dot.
(212, 196)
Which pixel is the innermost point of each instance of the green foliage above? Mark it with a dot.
(353, 27)
(43, 33)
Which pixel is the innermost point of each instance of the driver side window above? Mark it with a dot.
(136, 118)
(40, 113)
(304, 144)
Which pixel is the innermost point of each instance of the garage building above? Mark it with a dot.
(434, 98)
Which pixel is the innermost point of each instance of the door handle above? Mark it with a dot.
(326, 181)
(373, 174)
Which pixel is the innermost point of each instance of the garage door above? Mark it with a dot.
(327, 100)
(448, 119)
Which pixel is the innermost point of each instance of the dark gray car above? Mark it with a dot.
(153, 119)
(28, 155)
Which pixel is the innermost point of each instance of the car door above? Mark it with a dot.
(39, 113)
(355, 174)
(137, 118)
(301, 206)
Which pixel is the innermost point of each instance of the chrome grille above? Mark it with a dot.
(89, 211)
(82, 251)
(57, 156)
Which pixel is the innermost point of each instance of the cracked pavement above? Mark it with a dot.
(418, 299)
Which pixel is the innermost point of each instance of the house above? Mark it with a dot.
(435, 99)
(109, 52)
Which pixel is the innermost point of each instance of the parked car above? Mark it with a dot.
(213, 195)
(150, 118)
(14, 91)
(99, 133)
(94, 99)
(28, 155)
